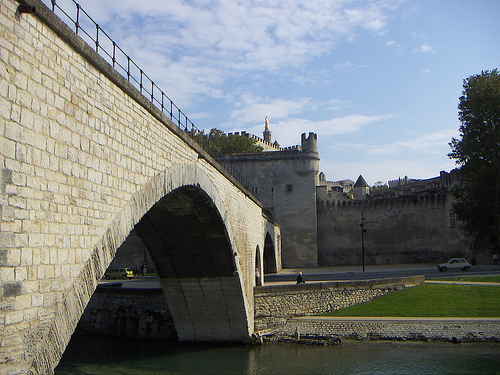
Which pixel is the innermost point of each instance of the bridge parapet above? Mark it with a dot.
(115, 60)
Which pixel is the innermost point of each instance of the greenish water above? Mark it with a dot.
(97, 355)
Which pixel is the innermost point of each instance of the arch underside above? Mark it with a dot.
(187, 240)
(269, 255)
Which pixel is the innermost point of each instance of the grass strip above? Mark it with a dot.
(488, 279)
(431, 300)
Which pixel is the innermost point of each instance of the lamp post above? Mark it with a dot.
(363, 230)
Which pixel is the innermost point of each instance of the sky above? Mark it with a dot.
(378, 81)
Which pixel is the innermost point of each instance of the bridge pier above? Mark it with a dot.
(207, 309)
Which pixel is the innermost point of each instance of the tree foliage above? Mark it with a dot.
(378, 187)
(232, 144)
(477, 153)
(219, 142)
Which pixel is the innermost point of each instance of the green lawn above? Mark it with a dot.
(431, 300)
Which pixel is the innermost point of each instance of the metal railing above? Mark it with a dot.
(95, 36)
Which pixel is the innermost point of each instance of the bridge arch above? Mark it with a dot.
(189, 239)
(258, 267)
(194, 294)
(270, 264)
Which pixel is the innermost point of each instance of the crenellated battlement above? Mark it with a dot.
(433, 200)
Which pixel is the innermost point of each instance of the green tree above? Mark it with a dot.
(477, 153)
(378, 187)
(232, 144)
(218, 142)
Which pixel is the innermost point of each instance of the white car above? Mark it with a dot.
(455, 264)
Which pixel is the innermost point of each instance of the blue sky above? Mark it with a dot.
(378, 81)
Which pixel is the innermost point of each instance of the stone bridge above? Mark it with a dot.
(85, 159)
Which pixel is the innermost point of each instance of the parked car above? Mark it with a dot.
(116, 273)
(455, 264)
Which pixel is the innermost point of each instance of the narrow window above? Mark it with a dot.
(452, 220)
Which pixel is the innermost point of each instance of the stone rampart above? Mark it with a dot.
(275, 305)
(406, 229)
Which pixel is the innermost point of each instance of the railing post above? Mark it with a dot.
(77, 17)
(152, 91)
(140, 83)
(53, 5)
(128, 68)
(97, 38)
(114, 53)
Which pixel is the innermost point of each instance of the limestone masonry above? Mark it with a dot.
(85, 159)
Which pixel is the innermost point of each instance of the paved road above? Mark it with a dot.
(376, 272)
(335, 274)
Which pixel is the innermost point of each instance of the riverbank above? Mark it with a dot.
(328, 330)
(287, 317)
(335, 330)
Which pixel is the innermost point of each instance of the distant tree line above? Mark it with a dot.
(219, 143)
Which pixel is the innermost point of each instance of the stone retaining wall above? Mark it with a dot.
(126, 312)
(274, 305)
(449, 329)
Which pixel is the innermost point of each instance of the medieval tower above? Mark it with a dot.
(286, 181)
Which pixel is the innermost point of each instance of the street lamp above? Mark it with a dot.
(363, 230)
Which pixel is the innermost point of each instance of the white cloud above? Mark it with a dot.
(251, 109)
(424, 49)
(348, 66)
(421, 157)
(427, 143)
(194, 47)
(287, 132)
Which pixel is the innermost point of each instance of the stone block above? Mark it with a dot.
(21, 273)
(11, 289)
(13, 317)
(22, 302)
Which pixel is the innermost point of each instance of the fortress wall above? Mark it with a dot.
(400, 230)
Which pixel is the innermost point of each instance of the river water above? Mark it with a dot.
(98, 355)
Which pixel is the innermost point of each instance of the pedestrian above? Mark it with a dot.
(257, 277)
(137, 269)
(144, 269)
(300, 278)
(495, 259)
